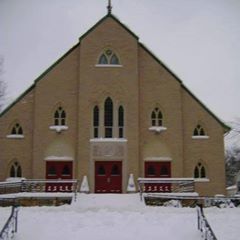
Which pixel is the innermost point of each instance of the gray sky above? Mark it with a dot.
(198, 39)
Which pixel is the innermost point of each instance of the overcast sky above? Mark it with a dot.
(198, 39)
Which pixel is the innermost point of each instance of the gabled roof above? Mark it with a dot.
(36, 80)
(226, 128)
(109, 15)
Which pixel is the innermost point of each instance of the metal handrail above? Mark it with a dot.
(40, 185)
(175, 185)
(203, 225)
(10, 227)
(49, 185)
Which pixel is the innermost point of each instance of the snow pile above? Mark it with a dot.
(173, 203)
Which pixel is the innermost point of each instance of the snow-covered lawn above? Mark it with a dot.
(119, 217)
(225, 222)
(4, 215)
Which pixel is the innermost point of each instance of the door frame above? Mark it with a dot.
(112, 163)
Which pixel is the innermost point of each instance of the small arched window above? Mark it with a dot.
(151, 170)
(15, 170)
(60, 117)
(52, 171)
(115, 170)
(66, 171)
(108, 57)
(156, 118)
(101, 170)
(164, 171)
(199, 131)
(17, 130)
(199, 171)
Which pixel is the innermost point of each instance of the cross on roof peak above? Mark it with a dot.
(109, 7)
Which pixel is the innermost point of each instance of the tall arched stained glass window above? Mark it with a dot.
(120, 122)
(108, 118)
(96, 122)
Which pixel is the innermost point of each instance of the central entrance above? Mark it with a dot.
(108, 177)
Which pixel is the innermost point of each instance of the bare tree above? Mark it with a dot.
(232, 153)
(2, 85)
(235, 129)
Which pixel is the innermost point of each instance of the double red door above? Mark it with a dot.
(56, 170)
(158, 170)
(108, 177)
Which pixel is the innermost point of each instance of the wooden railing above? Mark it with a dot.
(10, 227)
(203, 225)
(165, 185)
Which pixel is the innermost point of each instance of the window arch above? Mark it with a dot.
(151, 171)
(164, 171)
(96, 122)
(108, 57)
(156, 118)
(115, 170)
(199, 171)
(120, 122)
(199, 131)
(60, 117)
(17, 129)
(101, 170)
(15, 170)
(108, 118)
(52, 171)
(66, 171)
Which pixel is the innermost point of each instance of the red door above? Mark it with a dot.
(158, 170)
(58, 171)
(108, 177)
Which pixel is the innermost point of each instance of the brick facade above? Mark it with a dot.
(140, 84)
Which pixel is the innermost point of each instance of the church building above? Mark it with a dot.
(109, 108)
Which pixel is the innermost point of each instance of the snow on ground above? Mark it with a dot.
(225, 222)
(119, 217)
(108, 216)
(5, 212)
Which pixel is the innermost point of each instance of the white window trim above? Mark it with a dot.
(59, 158)
(58, 128)
(157, 129)
(201, 180)
(109, 65)
(158, 159)
(200, 137)
(15, 136)
(108, 140)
